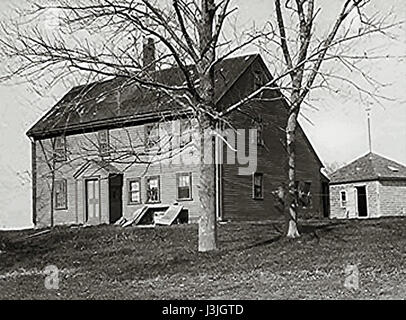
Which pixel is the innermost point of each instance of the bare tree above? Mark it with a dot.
(101, 39)
(304, 58)
(297, 55)
(187, 35)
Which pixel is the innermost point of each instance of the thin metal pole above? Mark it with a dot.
(369, 130)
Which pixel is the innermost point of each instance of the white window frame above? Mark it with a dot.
(129, 193)
(341, 199)
(63, 185)
(178, 176)
(147, 182)
(104, 152)
(60, 151)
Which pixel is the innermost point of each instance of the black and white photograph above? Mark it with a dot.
(220, 151)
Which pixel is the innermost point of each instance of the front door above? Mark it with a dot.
(93, 201)
(362, 201)
(115, 197)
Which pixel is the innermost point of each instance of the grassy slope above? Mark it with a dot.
(253, 263)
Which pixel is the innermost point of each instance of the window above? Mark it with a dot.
(304, 195)
(185, 132)
(134, 191)
(61, 202)
(60, 148)
(153, 189)
(258, 125)
(166, 135)
(104, 145)
(258, 186)
(151, 135)
(343, 199)
(393, 169)
(260, 135)
(258, 80)
(184, 186)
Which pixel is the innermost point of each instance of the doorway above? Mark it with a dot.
(362, 201)
(115, 197)
(92, 187)
(325, 199)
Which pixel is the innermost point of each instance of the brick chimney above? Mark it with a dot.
(148, 55)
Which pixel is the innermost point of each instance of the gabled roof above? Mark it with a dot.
(369, 167)
(118, 100)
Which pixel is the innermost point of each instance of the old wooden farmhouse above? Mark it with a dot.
(95, 157)
(369, 187)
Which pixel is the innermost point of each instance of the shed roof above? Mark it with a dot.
(119, 100)
(369, 167)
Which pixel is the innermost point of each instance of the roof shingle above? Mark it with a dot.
(369, 167)
(116, 100)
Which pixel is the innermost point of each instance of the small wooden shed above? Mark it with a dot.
(371, 186)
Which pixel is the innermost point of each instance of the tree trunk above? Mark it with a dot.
(207, 196)
(291, 214)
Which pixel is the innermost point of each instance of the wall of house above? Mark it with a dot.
(166, 167)
(392, 196)
(128, 155)
(350, 210)
(46, 214)
(237, 193)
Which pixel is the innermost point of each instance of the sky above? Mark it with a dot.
(338, 129)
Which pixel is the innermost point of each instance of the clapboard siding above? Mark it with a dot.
(238, 202)
(82, 147)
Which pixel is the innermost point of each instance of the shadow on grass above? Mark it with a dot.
(306, 230)
(325, 227)
(265, 242)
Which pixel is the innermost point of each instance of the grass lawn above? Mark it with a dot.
(254, 262)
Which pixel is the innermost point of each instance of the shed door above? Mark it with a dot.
(362, 201)
(93, 201)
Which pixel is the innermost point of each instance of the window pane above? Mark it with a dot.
(258, 180)
(153, 189)
(184, 186)
(57, 187)
(59, 149)
(258, 79)
(153, 183)
(134, 186)
(258, 185)
(134, 191)
(151, 135)
(103, 136)
(306, 187)
(60, 194)
(135, 196)
(184, 181)
(60, 143)
(184, 193)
